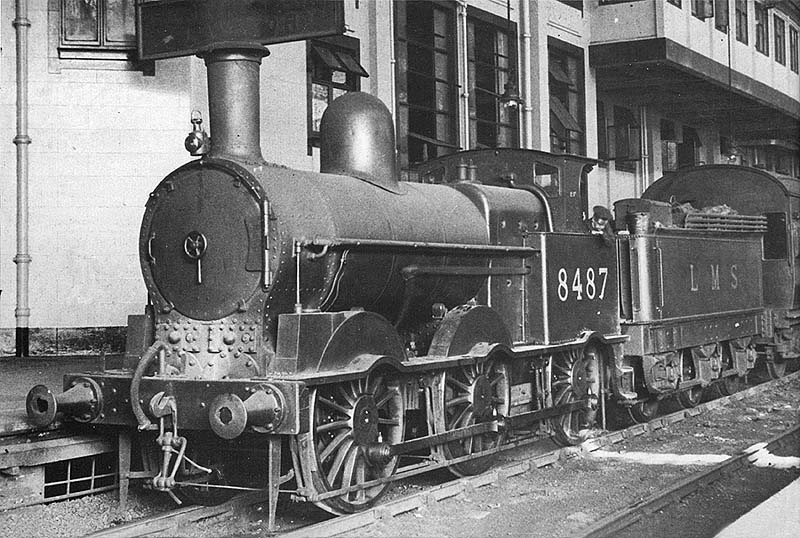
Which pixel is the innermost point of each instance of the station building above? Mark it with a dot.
(643, 86)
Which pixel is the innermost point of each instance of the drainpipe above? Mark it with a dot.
(22, 141)
(643, 135)
(527, 91)
(463, 78)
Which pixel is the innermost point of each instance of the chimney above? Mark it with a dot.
(234, 102)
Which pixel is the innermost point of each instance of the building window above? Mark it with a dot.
(602, 133)
(702, 9)
(793, 49)
(674, 2)
(762, 30)
(780, 39)
(566, 99)
(625, 131)
(577, 4)
(333, 69)
(741, 21)
(491, 56)
(426, 80)
(97, 29)
(689, 148)
(669, 146)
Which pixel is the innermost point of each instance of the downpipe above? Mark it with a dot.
(22, 312)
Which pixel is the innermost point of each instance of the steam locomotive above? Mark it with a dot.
(328, 333)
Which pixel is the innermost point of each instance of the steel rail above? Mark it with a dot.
(628, 516)
(341, 524)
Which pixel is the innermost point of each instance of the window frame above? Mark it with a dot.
(779, 39)
(762, 29)
(345, 50)
(570, 92)
(504, 117)
(794, 49)
(625, 123)
(90, 54)
(407, 138)
(702, 9)
(741, 22)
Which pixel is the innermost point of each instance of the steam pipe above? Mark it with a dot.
(234, 102)
(22, 312)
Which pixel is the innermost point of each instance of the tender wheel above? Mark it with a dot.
(729, 385)
(575, 378)
(691, 397)
(352, 423)
(470, 395)
(644, 411)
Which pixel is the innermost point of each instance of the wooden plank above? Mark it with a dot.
(29, 454)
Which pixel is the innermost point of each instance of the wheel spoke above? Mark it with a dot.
(336, 467)
(457, 401)
(564, 396)
(497, 379)
(333, 445)
(348, 476)
(361, 473)
(565, 369)
(335, 406)
(458, 422)
(468, 445)
(386, 396)
(456, 383)
(350, 398)
(374, 384)
(330, 426)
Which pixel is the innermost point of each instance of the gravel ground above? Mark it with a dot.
(553, 501)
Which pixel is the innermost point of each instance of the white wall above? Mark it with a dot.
(101, 140)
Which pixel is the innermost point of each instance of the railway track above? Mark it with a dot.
(342, 524)
(614, 523)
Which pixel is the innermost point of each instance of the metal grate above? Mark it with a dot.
(726, 223)
(80, 476)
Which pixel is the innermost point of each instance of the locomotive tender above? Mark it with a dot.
(331, 332)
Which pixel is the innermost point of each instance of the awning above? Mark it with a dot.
(339, 60)
(564, 116)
